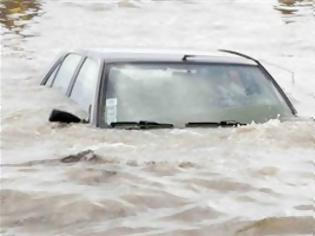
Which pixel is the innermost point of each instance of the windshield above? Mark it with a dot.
(178, 93)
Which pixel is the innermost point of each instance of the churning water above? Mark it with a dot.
(78, 180)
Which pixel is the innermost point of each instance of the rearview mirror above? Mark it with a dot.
(63, 117)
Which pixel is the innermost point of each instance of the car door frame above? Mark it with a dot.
(94, 105)
(58, 64)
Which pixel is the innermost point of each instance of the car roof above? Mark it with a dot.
(160, 55)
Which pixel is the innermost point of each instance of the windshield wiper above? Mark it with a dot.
(140, 125)
(223, 123)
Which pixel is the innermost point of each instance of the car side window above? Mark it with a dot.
(85, 85)
(66, 71)
(52, 76)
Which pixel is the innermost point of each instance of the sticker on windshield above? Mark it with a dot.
(111, 110)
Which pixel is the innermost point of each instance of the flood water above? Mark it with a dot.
(78, 180)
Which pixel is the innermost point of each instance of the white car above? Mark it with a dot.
(149, 89)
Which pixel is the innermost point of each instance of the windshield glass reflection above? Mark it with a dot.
(181, 93)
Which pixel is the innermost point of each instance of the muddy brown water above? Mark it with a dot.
(78, 180)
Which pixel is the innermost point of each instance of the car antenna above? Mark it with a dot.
(240, 54)
(187, 56)
(282, 68)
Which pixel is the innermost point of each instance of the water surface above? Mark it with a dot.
(78, 180)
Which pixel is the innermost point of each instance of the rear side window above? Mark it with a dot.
(66, 71)
(85, 85)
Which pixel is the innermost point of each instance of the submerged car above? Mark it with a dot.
(151, 89)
